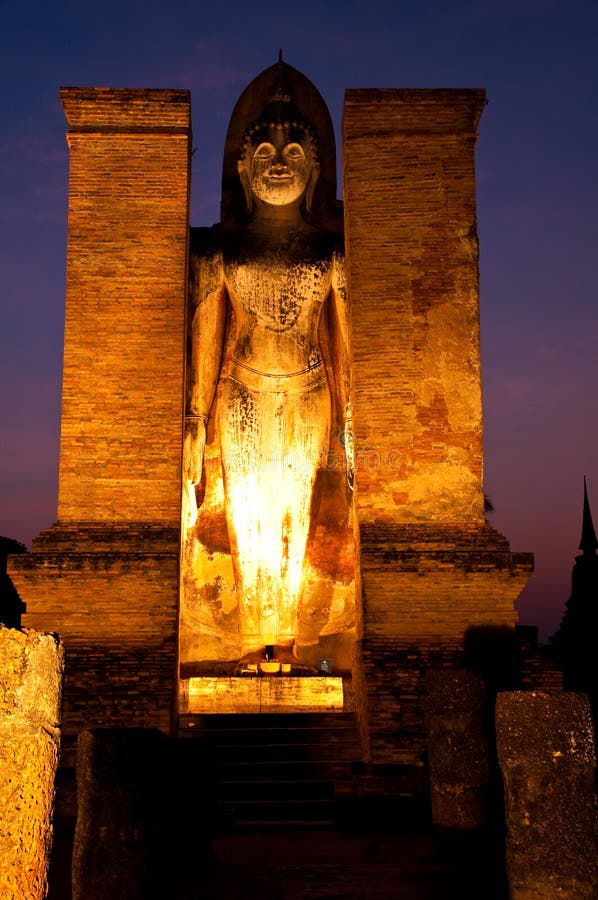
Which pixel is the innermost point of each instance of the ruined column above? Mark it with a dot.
(31, 669)
(118, 809)
(457, 749)
(546, 753)
(131, 839)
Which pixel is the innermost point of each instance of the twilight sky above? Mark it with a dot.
(537, 195)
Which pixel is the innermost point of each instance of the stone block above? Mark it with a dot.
(117, 820)
(547, 756)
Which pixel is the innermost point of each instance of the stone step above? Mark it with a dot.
(276, 768)
(276, 791)
(270, 739)
(327, 750)
(264, 720)
(283, 813)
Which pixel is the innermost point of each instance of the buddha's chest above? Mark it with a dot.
(277, 291)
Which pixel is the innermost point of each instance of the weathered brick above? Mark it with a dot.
(412, 259)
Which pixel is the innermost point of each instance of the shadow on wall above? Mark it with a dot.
(494, 654)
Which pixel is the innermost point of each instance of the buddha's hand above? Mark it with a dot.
(193, 449)
(349, 445)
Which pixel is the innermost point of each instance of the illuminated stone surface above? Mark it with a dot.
(31, 669)
(248, 694)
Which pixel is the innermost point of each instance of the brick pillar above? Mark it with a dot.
(431, 567)
(105, 576)
(120, 446)
(410, 227)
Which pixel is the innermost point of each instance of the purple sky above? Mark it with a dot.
(537, 212)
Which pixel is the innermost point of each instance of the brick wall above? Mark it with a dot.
(432, 597)
(423, 582)
(111, 593)
(432, 571)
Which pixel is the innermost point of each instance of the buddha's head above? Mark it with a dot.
(280, 152)
(279, 159)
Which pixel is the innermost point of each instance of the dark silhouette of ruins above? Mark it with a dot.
(574, 643)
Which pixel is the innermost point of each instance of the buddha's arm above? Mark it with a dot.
(339, 334)
(207, 340)
(340, 348)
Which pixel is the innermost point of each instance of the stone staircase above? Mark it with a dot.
(276, 769)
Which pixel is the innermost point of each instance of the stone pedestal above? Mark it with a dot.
(31, 668)
(270, 694)
(547, 756)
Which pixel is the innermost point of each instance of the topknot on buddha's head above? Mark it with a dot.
(281, 111)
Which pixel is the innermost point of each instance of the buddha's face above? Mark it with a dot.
(279, 168)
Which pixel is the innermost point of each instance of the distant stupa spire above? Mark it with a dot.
(588, 541)
(575, 641)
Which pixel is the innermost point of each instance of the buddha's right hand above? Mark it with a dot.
(193, 449)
